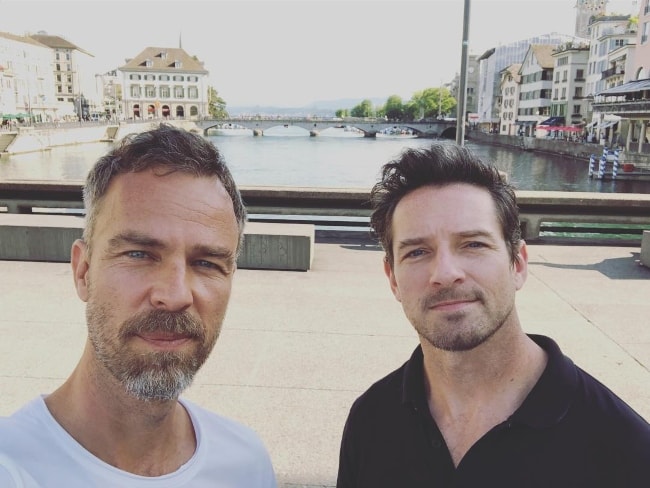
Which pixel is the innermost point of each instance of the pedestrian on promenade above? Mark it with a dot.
(479, 402)
(155, 267)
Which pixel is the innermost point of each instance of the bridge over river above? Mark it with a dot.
(370, 127)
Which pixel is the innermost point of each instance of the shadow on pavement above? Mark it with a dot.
(627, 268)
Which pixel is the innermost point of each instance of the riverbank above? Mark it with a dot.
(579, 150)
(34, 139)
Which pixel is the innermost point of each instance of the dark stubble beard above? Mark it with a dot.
(450, 335)
(155, 375)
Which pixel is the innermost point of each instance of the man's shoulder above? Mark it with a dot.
(382, 396)
(600, 402)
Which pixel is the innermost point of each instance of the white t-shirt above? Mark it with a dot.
(35, 451)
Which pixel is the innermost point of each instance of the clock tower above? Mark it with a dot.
(586, 11)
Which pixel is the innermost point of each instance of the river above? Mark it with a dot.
(335, 159)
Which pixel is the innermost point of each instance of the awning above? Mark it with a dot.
(564, 128)
(607, 124)
(553, 121)
(629, 87)
(525, 122)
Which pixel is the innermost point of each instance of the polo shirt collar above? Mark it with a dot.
(546, 404)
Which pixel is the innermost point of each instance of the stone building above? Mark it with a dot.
(164, 82)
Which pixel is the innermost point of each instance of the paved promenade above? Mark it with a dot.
(298, 347)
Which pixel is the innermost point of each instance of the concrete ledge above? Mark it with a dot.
(38, 237)
(645, 248)
(277, 246)
(25, 237)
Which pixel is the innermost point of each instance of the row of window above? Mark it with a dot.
(151, 77)
(164, 91)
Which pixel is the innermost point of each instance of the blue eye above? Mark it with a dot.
(415, 253)
(137, 254)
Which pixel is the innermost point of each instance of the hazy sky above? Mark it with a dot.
(291, 53)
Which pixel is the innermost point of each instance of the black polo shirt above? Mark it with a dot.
(570, 432)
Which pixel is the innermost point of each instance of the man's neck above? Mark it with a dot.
(470, 392)
(148, 438)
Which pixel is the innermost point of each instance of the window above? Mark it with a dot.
(578, 92)
(580, 74)
(564, 93)
(192, 92)
(135, 91)
(164, 91)
(148, 63)
(150, 77)
(134, 77)
(576, 110)
(163, 77)
(150, 91)
(178, 92)
(179, 78)
(193, 79)
(564, 75)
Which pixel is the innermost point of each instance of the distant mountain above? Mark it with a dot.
(320, 108)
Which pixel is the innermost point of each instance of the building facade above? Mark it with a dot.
(570, 103)
(509, 100)
(535, 91)
(496, 59)
(164, 82)
(27, 86)
(73, 71)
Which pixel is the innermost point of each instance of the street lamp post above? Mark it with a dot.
(462, 89)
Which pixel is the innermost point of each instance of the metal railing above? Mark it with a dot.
(587, 217)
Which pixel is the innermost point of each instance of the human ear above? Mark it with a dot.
(79, 262)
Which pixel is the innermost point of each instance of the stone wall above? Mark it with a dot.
(31, 139)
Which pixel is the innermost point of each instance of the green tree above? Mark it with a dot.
(394, 108)
(363, 109)
(342, 113)
(216, 104)
(430, 103)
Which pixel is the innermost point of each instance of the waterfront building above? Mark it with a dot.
(26, 82)
(496, 59)
(642, 55)
(536, 87)
(630, 101)
(164, 82)
(509, 100)
(472, 84)
(73, 70)
(570, 104)
(109, 84)
(586, 11)
(607, 34)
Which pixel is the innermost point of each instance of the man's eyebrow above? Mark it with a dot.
(134, 238)
(414, 241)
(476, 233)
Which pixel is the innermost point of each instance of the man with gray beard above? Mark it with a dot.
(480, 403)
(164, 226)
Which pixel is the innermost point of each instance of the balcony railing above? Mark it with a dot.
(611, 72)
(637, 107)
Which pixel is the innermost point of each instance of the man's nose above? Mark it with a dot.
(446, 268)
(172, 289)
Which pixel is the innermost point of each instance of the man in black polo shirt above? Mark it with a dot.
(479, 403)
